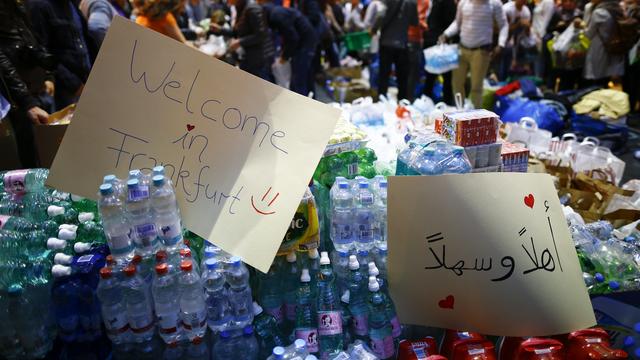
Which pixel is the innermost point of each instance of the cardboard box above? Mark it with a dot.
(470, 127)
(48, 137)
(9, 158)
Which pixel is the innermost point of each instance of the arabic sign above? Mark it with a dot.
(484, 252)
(240, 151)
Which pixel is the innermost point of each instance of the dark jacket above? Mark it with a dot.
(312, 10)
(23, 61)
(443, 13)
(561, 19)
(252, 31)
(54, 26)
(393, 26)
(294, 28)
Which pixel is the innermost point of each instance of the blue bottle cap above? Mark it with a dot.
(614, 285)
(637, 352)
(211, 264)
(599, 277)
(636, 327)
(134, 174)
(235, 260)
(343, 185)
(363, 185)
(132, 182)
(108, 179)
(248, 330)
(158, 180)
(158, 170)
(343, 253)
(225, 334)
(628, 341)
(363, 252)
(106, 189)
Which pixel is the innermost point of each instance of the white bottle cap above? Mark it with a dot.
(81, 247)
(76, 198)
(373, 284)
(56, 244)
(324, 258)
(278, 352)
(310, 357)
(353, 263)
(305, 276)
(373, 270)
(62, 259)
(291, 257)
(66, 234)
(68, 227)
(85, 216)
(60, 270)
(313, 254)
(346, 297)
(53, 210)
(257, 309)
(299, 344)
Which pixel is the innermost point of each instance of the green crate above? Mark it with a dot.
(357, 41)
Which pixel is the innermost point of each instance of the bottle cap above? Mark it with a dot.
(248, 330)
(211, 264)
(130, 270)
(225, 334)
(185, 253)
(62, 259)
(186, 265)
(278, 351)
(158, 170)
(110, 260)
(382, 248)
(137, 259)
(105, 272)
(209, 252)
(343, 185)
(107, 188)
(373, 270)
(299, 344)
(132, 183)
(353, 263)
(310, 357)
(305, 276)
(346, 297)
(363, 252)
(60, 270)
(134, 174)
(66, 234)
(56, 244)
(363, 185)
(458, 150)
(235, 261)
(614, 285)
(85, 216)
(69, 227)
(324, 258)
(343, 253)
(53, 210)
(257, 309)
(108, 179)
(161, 256)
(81, 247)
(158, 180)
(313, 253)
(599, 277)
(291, 257)
(373, 284)
(162, 269)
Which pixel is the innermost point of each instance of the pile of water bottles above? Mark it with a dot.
(430, 154)
(346, 164)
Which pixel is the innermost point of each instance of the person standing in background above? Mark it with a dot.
(62, 30)
(312, 10)
(474, 22)
(632, 70)
(354, 21)
(441, 15)
(394, 29)
(600, 65)
(542, 13)
(373, 12)
(416, 56)
(99, 14)
(158, 16)
(198, 10)
(567, 73)
(519, 20)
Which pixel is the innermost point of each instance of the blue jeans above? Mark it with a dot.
(300, 68)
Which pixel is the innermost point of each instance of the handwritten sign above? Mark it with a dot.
(240, 151)
(484, 252)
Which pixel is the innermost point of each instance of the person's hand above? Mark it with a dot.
(525, 23)
(577, 23)
(442, 39)
(234, 45)
(282, 60)
(38, 116)
(496, 52)
(49, 87)
(215, 28)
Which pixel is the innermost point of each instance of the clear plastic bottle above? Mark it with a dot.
(197, 350)
(458, 163)
(358, 299)
(267, 330)
(15, 223)
(140, 217)
(64, 297)
(364, 257)
(364, 217)
(379, 327)
(185, 254)
(192, 305)
(290, 279)
(342, 233)
(306, 315)
(226, 348)
(240, 299)
(405, 158)
(139, 307)
(23, 181)
(217, 299)
(166, 296)
(115, 224)
(426, 164)
(396, 328)
(380, 258)
(329, 312)
(114, 312)
(313, 264)
(347, 318)
(381, 214)
(340, 263)
(32, 332)
(10, 347)
(166, 213)
(248, 345)
(271, 293)
(278, 353)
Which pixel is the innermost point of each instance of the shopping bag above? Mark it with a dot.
(441, 58)
(514, 109)
(282, 73)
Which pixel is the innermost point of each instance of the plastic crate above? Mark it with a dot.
(357, 41)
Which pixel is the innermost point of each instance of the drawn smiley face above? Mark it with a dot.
(264, 212)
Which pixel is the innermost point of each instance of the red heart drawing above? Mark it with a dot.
(447, 303)
(190, 127)
(529, 200)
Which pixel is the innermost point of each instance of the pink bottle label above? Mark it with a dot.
(14, 182)
(290, 311)
(396, 329)
(310, 336)
(276, 313)
(329, 323)
(360, 325)
(383, 348)
(3, 220)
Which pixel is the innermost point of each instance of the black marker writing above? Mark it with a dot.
(545, 262)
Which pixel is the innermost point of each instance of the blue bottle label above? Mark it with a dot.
(329, 323)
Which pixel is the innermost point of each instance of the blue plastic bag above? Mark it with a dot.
(514, 109)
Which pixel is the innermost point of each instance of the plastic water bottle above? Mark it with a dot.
(458, 163)
(31, 331)
(380, 259)
(297, 350)
(405, 158)
(185, 254)
(381, 214)
(23, 181)
(218, 309)
(365, 219)
(267, 330)
(379, 327)
(64, 297)
(165, 292)
(396, 328)
(114, 222)
(114, 312)
(15, 223)
(278, 353)
(290, 276)
(358, 299)
(138, 303)
(342, 232)
(329, 312)
(193, 309)
(197, 350)
(364, 257)
(240, 299)
(340, 263)
(271, 292)
(347, 318)
(248, 345)
(306, 316)
(10, 347)
(166, 213)
(313, 264)
(226, 348)
(138, 208)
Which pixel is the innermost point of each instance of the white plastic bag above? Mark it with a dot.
(441, 58)
(563, 42)
(282, 73)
